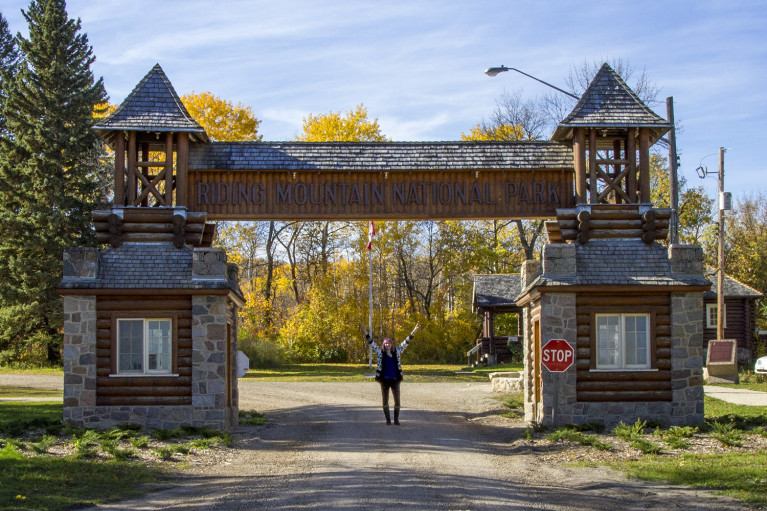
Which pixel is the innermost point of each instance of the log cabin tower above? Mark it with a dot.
(150, 322)
(150, 133)
(611, 131)
(629, 307)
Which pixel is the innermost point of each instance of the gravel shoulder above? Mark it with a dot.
(326, 446)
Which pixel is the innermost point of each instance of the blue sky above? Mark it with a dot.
(417, 65)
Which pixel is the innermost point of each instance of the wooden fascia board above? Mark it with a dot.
(153, 292)
(536, 292)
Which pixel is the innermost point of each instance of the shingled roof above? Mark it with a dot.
(732, 288)
(377, 156)
(500, 290)
(152, 106)
(620, 262)
(609, 103)
(147, 266)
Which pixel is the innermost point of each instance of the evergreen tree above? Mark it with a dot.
(49, 169)
(9, 57)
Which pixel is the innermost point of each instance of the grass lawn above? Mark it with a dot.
(45, 465)
(415, 373)
(52, 371)
(737, 474)
(50, 483)
(759, 387)
(10, 391)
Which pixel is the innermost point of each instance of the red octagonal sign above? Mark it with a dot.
(557, 355)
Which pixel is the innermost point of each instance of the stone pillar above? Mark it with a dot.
(687, 358)
(558, 389)
(209, 315)
(79, 357)
(209, 328)
(80, 264)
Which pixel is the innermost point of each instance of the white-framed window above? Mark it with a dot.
(711, 310)
(144, 346)
(623, 341)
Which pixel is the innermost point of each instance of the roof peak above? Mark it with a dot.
(153, 105)
(608, 102)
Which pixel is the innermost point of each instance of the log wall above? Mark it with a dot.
(603, 386)
(143, 390)
(740, 324)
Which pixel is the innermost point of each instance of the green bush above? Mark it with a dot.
(263, 353)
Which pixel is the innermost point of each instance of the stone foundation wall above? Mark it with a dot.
(79, 354)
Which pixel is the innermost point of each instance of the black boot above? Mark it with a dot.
(396, 415)
(388, 417)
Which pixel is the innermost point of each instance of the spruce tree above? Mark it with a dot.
(49, 168)
(9, 57)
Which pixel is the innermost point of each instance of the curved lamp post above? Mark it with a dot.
(494, 71)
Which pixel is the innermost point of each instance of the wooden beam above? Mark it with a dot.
(169, 168)
(644, 165)
(144, 171)
(579, 154)
(617, 167)
(182, 169)
(132, 179)
(593, 189)
(119, 176)
(631, 156)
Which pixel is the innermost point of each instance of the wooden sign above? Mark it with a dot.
(363, 195)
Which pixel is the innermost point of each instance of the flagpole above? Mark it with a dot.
(371, 233)
(370, 308)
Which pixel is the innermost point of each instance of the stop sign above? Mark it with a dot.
(557, 355)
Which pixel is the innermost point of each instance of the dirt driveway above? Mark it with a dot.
(326, 446)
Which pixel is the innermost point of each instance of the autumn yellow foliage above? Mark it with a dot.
(354, 126)
(222, 120)
(497, 132)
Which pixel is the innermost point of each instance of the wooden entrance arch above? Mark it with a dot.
(592, 180)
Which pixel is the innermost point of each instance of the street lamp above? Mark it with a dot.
(494, 71)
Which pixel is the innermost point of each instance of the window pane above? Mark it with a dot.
(159, 345)
(637, 341)
(130, 342)
(608, 341)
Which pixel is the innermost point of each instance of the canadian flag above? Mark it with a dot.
(371, 233)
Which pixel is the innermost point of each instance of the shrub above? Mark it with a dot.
(727, 434)
(42, 445)
(263, 352)
(140, 442)
(252, 418)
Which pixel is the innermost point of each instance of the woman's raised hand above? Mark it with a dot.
(417, 328)
(363, 330)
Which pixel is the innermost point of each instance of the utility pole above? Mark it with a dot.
(720, 274)
(673, 171)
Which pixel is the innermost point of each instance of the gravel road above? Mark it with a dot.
(326, 446)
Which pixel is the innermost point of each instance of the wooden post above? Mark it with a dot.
(617, 156)
(720, 273)
(673, 177)
(169, 169)
(119, 198)
(579, 150)
(631, 156)
(644, 165)
(131, 169)
(593, 190)
(182, 164)
(145, 171)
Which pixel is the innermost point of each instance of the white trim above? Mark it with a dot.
(621, 342)
(144, 348)
(142, 375)
(714, 307)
